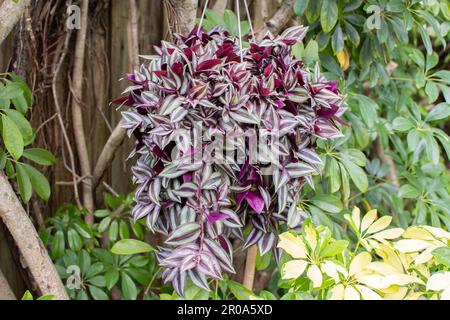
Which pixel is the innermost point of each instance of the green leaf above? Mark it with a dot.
(97, 293)
(22, 124)
(239, 291)
(442, 255)
(300, 6)
(39, 182)
(40, 156)
(334, 248)
(113, 231)
(328, 15)
(230, 20)
(111, 277)
(131, 246)
(335, 175)
(432, 91)
(58, 245)
(439, 112)
(27, 296)
(12, 137)
(129, 289)
(74, 240)
(25, 188)
(402, 124)
(408, 191)
(328, 203)
(357, 175)
(337, 42)
(104, 224)
(311, 53)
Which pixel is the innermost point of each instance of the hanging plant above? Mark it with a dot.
(205, 80)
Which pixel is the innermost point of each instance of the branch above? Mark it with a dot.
(33, 254)
(280, 19)
(386, 159)
(10, 14)
(77, 112)
(5, 290)
(133, 36)
(250, 266)
(104, 160)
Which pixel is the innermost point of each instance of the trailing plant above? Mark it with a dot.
(199, 202)
(17, 135)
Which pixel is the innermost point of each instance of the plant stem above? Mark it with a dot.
(250, 267)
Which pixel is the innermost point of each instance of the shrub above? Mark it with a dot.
(392, 263)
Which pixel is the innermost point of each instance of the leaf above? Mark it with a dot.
(25, 188)
(239, 291)
(97, 293)
(439, 112)
(357, 175)
(22, 124)
(39, 182)
(74, 240)
(300, 6)
(230, 20)
(131, 246)
(58, 245)
(311, 53)
(111, 278)
(129, 289)
(432, 91)
(334, 248)
(40, 156)
(328, 15)
(184, 234)
(402, 124)
(328, 203)
(442, 255)
(12, 137)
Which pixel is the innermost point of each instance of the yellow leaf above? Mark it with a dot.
(337, 293)
(388, 234)
(425, 256)
(351, 293)
(311, 236)
(438, 232)
(439, 281)
(446, 294)
(411, 245)
(344, 59)
(356, 217)
(368, 219)
(367, 293)
(292, 245)
(417, 233)
(382, 268)
(294, 269)
(380, 224)
(332, 270)
(315, 275)
(359, 262)
(395, 293)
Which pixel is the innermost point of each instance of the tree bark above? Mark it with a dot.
(34, 256)
(5, 290)
(250, 267)
(77, 114)
(186, 11)
(280, 19)
(107, 155)
(10, 14)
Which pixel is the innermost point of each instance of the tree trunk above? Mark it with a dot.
(5, 290)
(34, 256)
(186, 11)
(10, 13)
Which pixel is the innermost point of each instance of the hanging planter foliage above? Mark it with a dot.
(204, 80)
